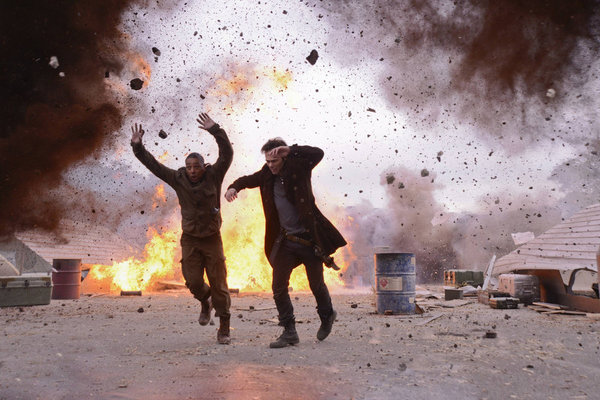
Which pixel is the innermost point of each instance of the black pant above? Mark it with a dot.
(288, 257)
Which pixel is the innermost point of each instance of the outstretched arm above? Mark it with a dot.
(162, 172)
(243, 182)
(225, 148)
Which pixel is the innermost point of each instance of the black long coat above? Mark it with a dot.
(296, 173)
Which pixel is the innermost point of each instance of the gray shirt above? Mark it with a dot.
(289, 218)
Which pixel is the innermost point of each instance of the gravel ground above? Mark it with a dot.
(152, 347)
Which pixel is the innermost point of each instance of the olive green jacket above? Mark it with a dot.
(200, 202)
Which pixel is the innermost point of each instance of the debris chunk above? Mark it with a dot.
(162, 134)
(53, 62)
(156, 51)
(424, 172)
(312, 57)
(136, 84)
(131, 292)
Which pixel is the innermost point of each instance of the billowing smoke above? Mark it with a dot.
(510, 69)
(515, 74)
(56, 109)
(409, 223)
(413, 221)
(579, 177)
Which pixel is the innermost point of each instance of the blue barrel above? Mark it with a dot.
(395, 280)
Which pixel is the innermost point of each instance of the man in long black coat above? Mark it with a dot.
(295, 228)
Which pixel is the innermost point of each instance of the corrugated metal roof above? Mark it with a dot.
(569, 245)
(76, 240)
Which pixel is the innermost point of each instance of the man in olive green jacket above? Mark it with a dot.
(198, 188)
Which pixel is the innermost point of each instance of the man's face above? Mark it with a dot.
(274, 163)
(193, 169)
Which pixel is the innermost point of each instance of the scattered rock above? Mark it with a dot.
(53, 62)
(371, 110)
(140, 310)
(136, 84)
(490, 335)
(312, 57)
(162, 134)
(156, 51)
(424, 172)
(353, 305)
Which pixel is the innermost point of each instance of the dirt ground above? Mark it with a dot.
(152, 347)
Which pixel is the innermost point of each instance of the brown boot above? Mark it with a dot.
(205, 312)
(223, 332)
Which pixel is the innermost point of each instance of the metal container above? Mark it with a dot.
(66, 278)
(526, 288)
(29, 289)
(395, 282)
(459, 277)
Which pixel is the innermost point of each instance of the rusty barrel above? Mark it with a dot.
(395, 280)
(66, 278)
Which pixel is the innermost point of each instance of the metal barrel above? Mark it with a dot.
(66, 278)
(395, 280)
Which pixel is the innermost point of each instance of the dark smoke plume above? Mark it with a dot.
(504, 67)
(55, 108)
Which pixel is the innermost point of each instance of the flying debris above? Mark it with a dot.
(424, 172)
(162, 134)
(53, 62)
(312, 57)
(439, 155)
(371, 110)
(156, 51)
(136, 84)
(551, 93)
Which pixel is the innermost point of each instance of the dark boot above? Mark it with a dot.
(205, 312)
(326, 325)
(288, 337)
(223, 332)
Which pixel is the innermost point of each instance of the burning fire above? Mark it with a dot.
(141, 274)
(243, 240)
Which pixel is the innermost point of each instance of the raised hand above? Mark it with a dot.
(137, 132)
(205, 121)
(279, 152)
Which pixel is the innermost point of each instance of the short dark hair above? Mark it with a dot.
(273, 143)
(196, 156)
